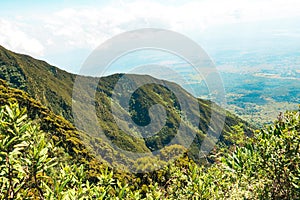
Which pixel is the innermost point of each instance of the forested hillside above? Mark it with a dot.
(53, 88)
(40, 163)
(44, 156)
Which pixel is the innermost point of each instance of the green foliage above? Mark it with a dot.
(265, 166)
(24, 154)
(271, 159)
(31, 166)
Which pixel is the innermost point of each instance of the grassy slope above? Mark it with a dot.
(53, 88)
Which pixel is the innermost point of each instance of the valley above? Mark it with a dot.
(261, 85)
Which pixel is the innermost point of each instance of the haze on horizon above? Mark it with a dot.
(64, 34)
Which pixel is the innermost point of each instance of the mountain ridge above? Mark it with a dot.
(44, 156)
(53, 87)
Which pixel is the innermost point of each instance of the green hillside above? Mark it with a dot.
(44, 156)
(53, 88)
(45, 83)
(61, 131)
(37, 162)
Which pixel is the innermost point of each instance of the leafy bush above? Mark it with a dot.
(265, 166)
(31, 166)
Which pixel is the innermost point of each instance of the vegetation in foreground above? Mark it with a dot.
(265, 166)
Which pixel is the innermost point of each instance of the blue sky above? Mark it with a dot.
(64, 33)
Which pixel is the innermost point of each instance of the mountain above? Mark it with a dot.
(41, 157)
(53, 88)
(44, 156)
(45, 83)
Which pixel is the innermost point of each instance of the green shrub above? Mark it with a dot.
(265, 166)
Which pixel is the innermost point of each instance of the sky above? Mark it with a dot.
(64, 33)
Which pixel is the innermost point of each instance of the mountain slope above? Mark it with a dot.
(53, 87)
(62, 131)
(265, 166)
(46, 83)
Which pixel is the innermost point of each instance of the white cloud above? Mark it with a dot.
(91, 26)
(12, 37)
(86, 27)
